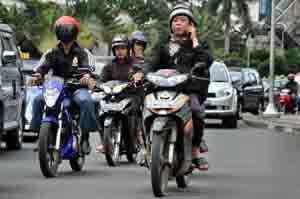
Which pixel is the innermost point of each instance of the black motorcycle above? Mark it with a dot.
(115, 108)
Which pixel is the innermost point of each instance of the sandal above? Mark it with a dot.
(200, 163)
(100, 148)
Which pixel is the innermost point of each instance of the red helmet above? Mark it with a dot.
(291, 76)
(66, 29)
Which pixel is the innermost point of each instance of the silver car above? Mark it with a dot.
(221, 102)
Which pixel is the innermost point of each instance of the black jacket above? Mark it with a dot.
(183, 61)
(293, 86)
(64, 65)
(117, 71)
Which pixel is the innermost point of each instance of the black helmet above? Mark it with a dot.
(66, 29)
(119, 40)
(183, 8)
(138, 36)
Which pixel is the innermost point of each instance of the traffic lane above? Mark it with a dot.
(245, 163)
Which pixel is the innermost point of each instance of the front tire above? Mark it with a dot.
(111, 146)
(182, 181)
(159, 171)
(48, 156)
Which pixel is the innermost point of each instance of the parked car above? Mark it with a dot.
(250, 89)
(11, 90)
(222, 97)
(30, 93)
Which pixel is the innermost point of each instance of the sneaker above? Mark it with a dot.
(141, 157)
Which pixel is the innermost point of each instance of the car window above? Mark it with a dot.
(7, 44)
(253, 78)
(218, 73)
(235, 76)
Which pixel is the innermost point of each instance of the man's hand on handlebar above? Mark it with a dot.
(35, 79)
(84, 81)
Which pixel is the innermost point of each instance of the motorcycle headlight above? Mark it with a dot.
(167, 82)
(155, 79)
(106, 89)
(51, 95)
(118, 89)
(178, 79)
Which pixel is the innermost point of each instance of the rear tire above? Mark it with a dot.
(159, 170)
(77, 163)
(48, 156)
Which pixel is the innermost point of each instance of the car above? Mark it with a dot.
(221, 102)
(30, 93)
(250, 89)
(11, 90)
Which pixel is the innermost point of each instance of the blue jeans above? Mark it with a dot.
(82, 98)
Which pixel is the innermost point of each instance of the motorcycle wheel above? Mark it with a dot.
(112, 146)
(48, 157)
(77, 163)
(159, 171)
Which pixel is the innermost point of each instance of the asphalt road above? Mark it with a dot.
(246, 163)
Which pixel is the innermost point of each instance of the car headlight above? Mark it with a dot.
(51, 95)
(226, 92)
(118, 89)
(106, 89)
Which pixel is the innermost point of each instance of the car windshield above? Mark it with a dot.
(218, 73)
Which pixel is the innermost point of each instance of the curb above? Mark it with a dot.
(271, 125)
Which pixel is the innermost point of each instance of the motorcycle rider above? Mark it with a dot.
(138, 43)
(63, 60)
(293, 86)
(183, 51)
(122, 68)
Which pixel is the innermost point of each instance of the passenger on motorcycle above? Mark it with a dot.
(293, 86)
(138, 43)
(182, 51)
(65, 59)
(122, 68)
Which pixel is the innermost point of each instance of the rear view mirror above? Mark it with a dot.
(9, 57)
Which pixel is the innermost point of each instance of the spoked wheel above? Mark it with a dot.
(112, 145)
(159, 170)
(48, 157)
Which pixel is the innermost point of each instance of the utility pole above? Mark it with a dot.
(271, 110)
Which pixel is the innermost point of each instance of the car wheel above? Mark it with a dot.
(240, 111)
(14, 138)
(230, 122)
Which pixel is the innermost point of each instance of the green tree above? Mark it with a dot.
(225, 8)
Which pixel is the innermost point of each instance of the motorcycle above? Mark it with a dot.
(115, 107)
(59, 136)
(285, 100)
(167, 120)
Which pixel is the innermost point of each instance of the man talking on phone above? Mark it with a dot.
(183, 51)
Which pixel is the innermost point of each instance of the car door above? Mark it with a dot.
(250, 90)
(11, 81)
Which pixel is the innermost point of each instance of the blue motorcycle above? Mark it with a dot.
(59, 137)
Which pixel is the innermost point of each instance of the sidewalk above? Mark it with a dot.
(286, 123)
